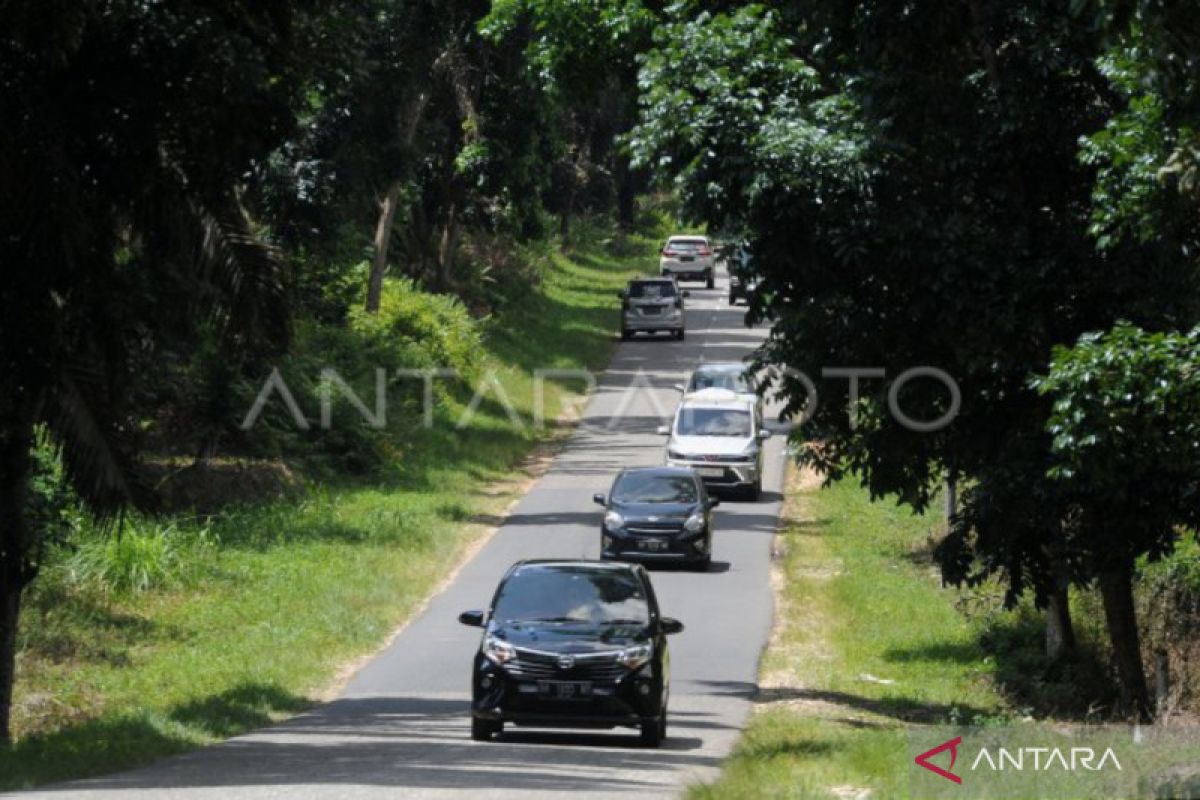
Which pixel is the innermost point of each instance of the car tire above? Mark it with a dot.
(755, 489)
(732, 299)
(482, 730)
(710, 280)
(679, 334)
(703, 564)
(653, 733)
(625, 334)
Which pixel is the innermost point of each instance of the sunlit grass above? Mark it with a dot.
(868, 643)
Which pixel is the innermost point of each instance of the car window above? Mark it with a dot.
(651, 290)
(720, 379)
(713, 422)
(641, 487)
(685, 245)
(569, 593)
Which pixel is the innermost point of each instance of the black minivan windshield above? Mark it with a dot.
(569, 593)
(649, 487)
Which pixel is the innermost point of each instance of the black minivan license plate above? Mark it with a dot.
(653, 545)
(565, 690)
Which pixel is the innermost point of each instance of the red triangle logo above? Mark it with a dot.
(952, 746)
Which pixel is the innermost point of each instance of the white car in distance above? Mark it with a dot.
(689, 257)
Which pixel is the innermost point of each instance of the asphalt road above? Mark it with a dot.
(400, 727)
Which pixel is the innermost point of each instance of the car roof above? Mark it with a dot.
(651, 280)
(686, 237)
(582, 563)
(716, 398)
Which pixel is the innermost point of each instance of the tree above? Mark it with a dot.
(914, 196)
(585, 55)
(125, 137)
(1125, 423)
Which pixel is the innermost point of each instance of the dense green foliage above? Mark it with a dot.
(965, 186)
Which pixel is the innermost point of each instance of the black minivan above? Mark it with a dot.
(577, 644)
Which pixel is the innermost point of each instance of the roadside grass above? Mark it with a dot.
(865, 643)
(185, 631)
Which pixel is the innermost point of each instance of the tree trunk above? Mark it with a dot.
(387, 206)
(16, 549)
(1116, 589)
(625, 194)
(447, 247)
(1060, 632)
(10, 607)
(564, 220)
(383, 237)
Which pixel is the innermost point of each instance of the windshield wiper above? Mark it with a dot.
(624, 622)
(548, 619)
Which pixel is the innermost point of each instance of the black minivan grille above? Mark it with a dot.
(534, 665)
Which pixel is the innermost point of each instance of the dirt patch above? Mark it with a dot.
(206, 487)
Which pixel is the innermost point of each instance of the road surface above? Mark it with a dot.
(400, 728)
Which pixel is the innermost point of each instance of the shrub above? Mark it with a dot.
(143, 554)
(413, 329)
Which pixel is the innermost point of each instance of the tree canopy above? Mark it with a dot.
(912, 182)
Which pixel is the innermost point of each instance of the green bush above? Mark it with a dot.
(413, 329)
(51, 507)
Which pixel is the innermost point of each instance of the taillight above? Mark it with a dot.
(668, 251)
(704, 251)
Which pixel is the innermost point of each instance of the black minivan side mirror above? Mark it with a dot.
(474, 618)
(598, 499)
(670, 625)
(621, 294)
(713, 503)
(686, 293)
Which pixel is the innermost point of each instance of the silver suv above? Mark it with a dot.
(720, 436)
(650, 305)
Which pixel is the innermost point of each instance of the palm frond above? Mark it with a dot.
(241, 275)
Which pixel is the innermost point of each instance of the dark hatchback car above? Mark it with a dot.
(576, 644)
(660, 514)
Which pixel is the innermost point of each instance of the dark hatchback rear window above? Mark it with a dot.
(565, 593)
(651, 289)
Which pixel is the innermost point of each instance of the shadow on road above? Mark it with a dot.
(419, 742)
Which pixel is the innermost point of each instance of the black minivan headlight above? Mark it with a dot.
(634, 657)
(497, 650)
